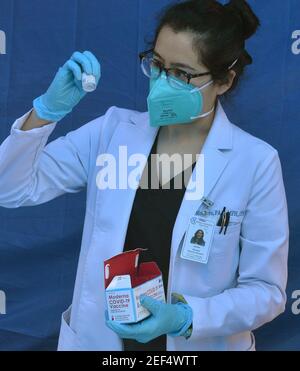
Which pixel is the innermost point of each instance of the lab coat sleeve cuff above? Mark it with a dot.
(42, 131)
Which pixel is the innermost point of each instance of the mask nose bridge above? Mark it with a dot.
(163, 75)
(161, 79)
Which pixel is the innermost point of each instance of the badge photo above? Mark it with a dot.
(198, 239)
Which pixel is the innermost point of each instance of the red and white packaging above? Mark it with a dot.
(125, 281)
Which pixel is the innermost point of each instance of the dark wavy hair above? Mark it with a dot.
(219, 33)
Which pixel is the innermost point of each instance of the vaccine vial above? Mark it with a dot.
(88, 82)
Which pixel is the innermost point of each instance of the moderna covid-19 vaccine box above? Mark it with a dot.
(125, 281)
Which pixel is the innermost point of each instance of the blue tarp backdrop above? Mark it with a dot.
(39, 246)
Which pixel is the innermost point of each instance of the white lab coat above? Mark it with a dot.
(243, 284)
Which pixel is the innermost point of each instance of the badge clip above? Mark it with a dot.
(208, 203)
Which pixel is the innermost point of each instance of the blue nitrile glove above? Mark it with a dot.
(66, 91)
(171, 319)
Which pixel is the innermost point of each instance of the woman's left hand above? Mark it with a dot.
(171, 319)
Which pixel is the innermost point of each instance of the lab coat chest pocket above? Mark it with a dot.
(224, 258)
(227, 244)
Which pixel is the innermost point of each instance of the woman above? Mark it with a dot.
(198, 238)
(197, 56)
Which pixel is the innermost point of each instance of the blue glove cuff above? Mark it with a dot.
(189, 319)
(43, 112)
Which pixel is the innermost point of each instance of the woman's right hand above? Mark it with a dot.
(66, 91)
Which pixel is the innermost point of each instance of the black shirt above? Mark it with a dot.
(150, 227)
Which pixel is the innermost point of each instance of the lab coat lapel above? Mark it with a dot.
(115, 205)
(215, 160)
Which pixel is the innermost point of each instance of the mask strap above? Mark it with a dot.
(204, 114)
(202, 87)
(233, 64)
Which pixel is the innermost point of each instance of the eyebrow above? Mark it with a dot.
(175, 64)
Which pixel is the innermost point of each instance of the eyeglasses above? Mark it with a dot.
(153, 68)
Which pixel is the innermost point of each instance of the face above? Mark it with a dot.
(176, 50)
(199, 234)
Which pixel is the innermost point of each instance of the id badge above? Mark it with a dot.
(198, 240)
